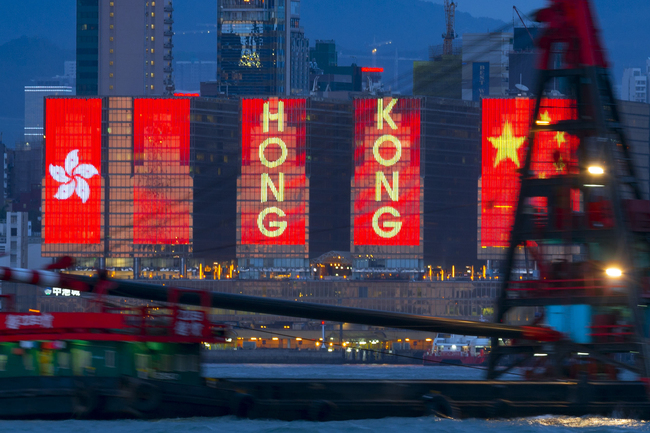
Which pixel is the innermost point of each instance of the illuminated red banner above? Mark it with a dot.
(506, 124)
(73, 186)
(386, 193)
(271, 196)
(162, 192)
(367, 69)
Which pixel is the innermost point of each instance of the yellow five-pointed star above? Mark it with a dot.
(507, 145)
(559, 137)
(545, 118)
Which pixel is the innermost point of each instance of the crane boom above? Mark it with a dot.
(130, 289)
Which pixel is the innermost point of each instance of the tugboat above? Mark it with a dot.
(119, 361)
(458, 350)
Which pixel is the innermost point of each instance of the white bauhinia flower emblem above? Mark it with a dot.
(73, 177)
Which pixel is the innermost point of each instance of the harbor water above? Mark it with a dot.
(543, 424)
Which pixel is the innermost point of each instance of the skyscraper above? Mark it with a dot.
(261, 48)
(124, 47)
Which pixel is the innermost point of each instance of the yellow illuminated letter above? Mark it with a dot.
(395, 226)
(384, 114)
(379, 142)
(279, 116)
(380, 179)
(283, 155)
(268, 183)
(280, 226)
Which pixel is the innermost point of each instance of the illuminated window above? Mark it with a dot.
(152, 38)
(153, 4)
(152, 27)
(152, 63)
(110, 87)
(152, 14)
(152, 75)
(112, 4)
(152, 87)
(111, 38)
(152, 51)
(112, 14)
(110, 75)
(110, 63)
(111, 26)
(111, 51)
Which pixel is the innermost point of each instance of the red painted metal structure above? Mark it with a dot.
(129, 289)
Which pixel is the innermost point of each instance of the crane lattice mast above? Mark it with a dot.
(450, 35)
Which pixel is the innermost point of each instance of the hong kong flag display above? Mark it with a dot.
(73, 186)
(506, 125)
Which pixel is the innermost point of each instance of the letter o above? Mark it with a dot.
(280, 226)
(398, 150)
(283, 155)
(395, 226)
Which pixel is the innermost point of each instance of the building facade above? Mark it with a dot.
(34, 97)
(188, 76)
(635, 85)
(485, 64)
(111, 61)
(261, 48)
(271, 183)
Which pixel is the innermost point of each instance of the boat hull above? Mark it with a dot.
(454, 360)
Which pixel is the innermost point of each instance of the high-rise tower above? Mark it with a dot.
(261, 48)
(124, 47)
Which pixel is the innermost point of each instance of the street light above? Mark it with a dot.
(613, 272)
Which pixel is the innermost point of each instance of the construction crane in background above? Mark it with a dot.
(374, 47)
(450, 35)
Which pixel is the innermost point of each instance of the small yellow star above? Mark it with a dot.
(545, 118)
(559, 137)
(507, 145)
(559, 165)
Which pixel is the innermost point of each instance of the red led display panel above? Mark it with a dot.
(162, 191)
(271, 197)
(386, 193)
(73, 185)
(506, 124)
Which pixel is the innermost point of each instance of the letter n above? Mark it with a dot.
(380, 180)
(267, 184)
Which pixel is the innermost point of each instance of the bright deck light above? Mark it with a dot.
(594, 169)
(613, 272)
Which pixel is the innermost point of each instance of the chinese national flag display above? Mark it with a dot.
(506, 125)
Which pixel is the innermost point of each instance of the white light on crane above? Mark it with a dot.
(594, 169)
(613, 272)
